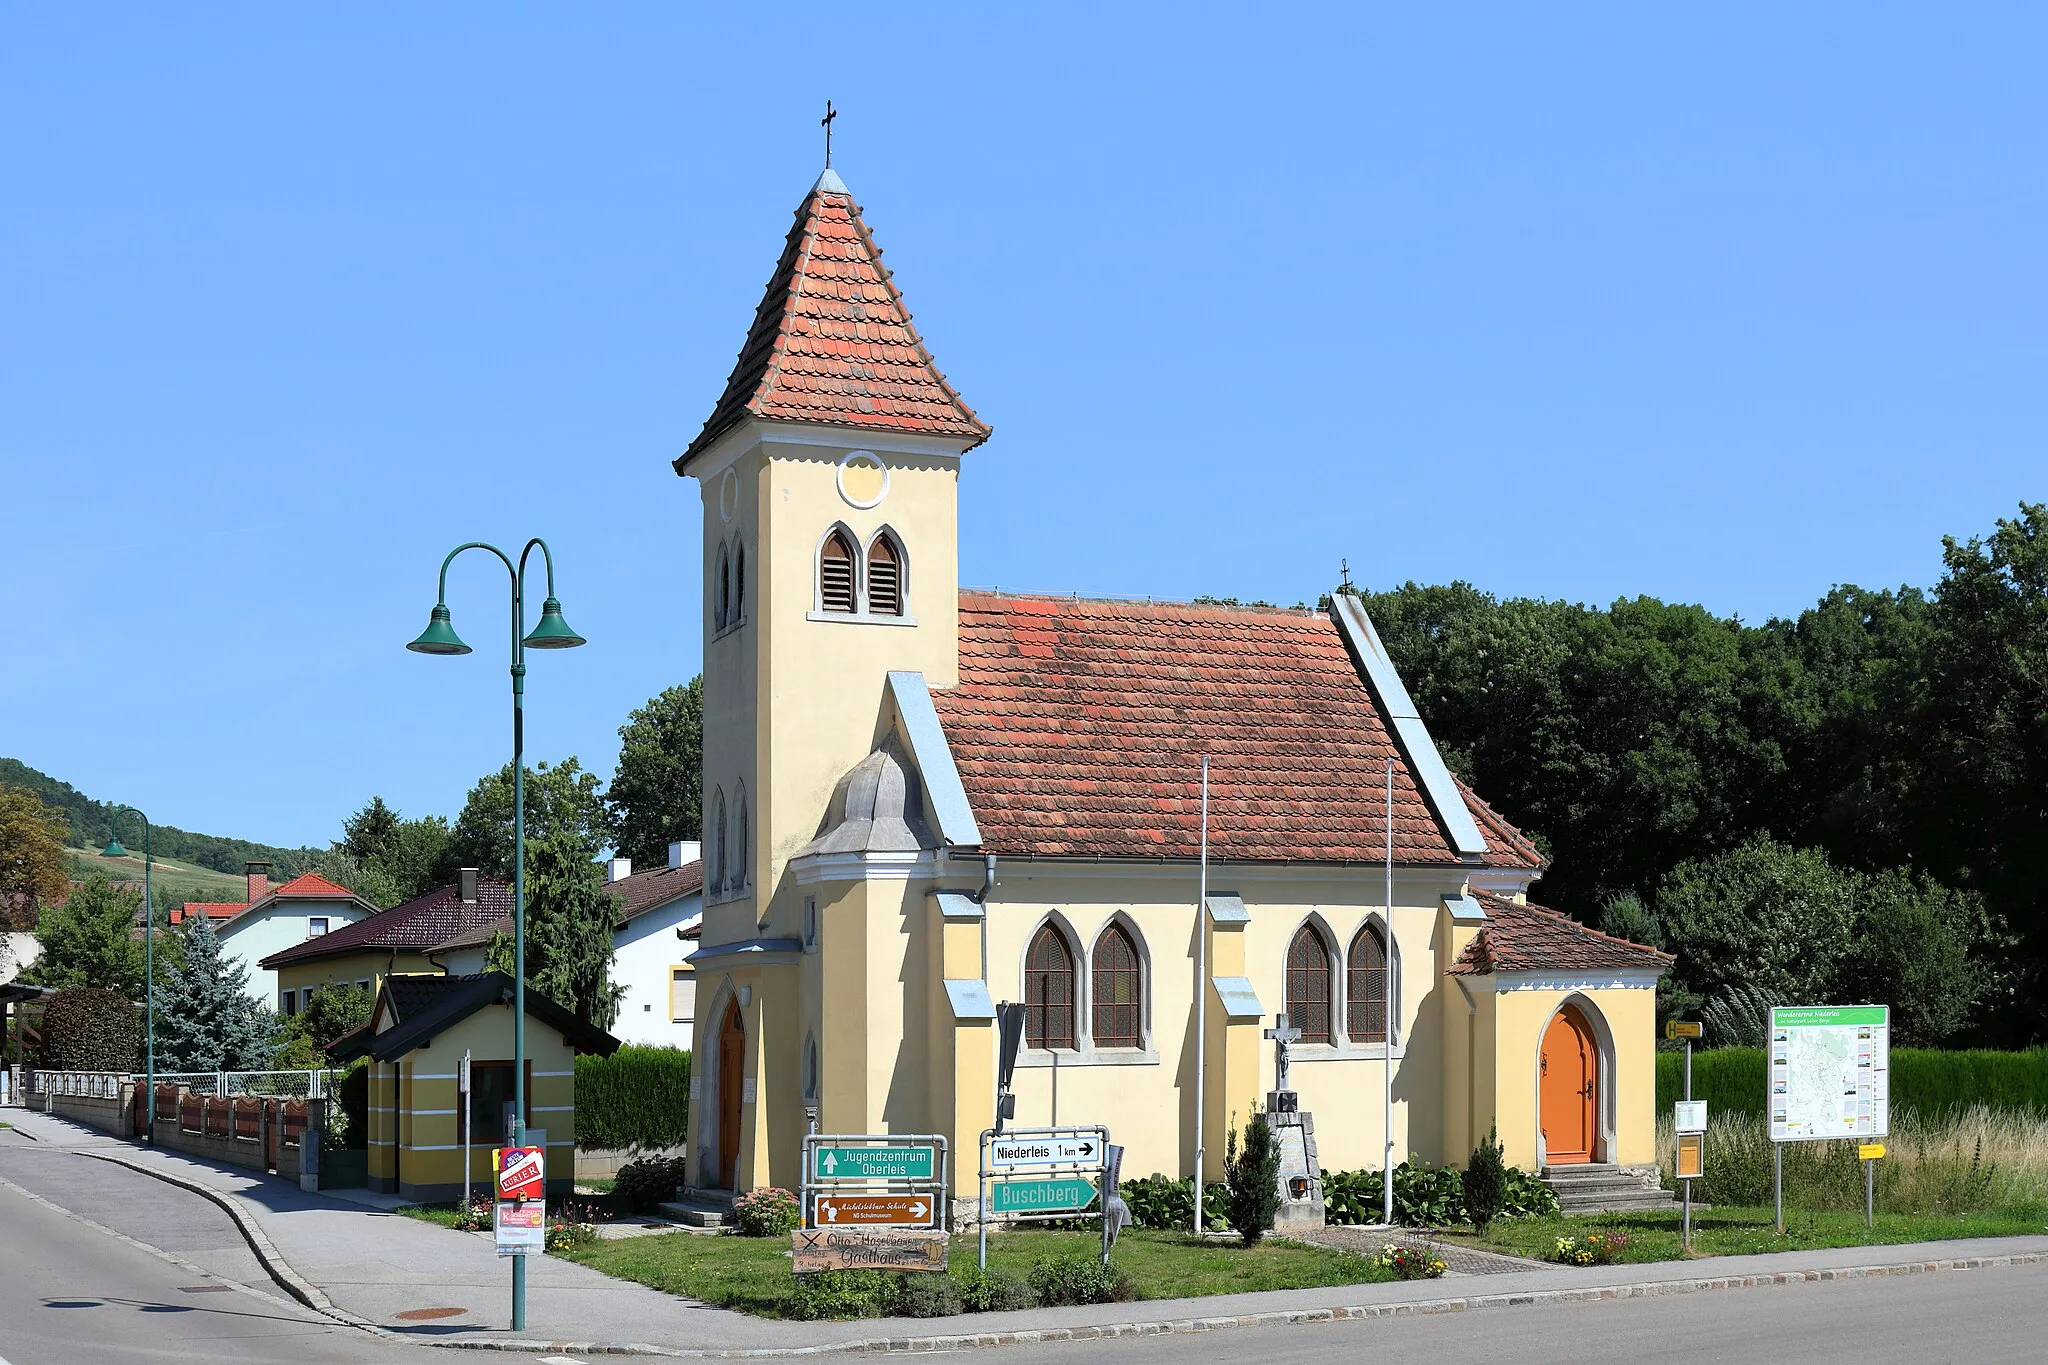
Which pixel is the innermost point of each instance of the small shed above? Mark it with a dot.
(418, 1031)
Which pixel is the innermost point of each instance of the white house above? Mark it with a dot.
(660, 916)
(275, 918)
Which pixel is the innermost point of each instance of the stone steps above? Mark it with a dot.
(700, 1208)
(1589, 1188)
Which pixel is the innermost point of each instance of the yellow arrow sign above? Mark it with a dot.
(1869, 1151)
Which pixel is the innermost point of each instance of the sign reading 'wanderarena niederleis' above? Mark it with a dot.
(1830, 1072)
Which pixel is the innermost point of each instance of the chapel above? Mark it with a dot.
(922, 799)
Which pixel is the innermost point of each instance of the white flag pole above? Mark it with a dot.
(1201, 998)
(1387, 1018)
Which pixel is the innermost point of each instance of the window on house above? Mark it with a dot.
(1308, 985)
(363, 985)
(885, 577)
(490, 1098)
(718, 864)
(835, 573)
(682, 995)
(288, 1003)
(721, 597)
(1049, 991)
(738, 877)
(739, 581)
(316, 925)
(1365, 985)
(811, 1067)
(1115, 989)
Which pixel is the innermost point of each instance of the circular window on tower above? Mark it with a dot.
(863, 478)
(728, 495)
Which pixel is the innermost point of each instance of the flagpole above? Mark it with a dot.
(1387, 1018)
(1201, 997)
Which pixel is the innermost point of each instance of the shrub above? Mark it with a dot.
(1926, 1082)
(1410, 1263)
(1595, 1248)
(90, 1029)
(990, 1291)
(652, 1180)
(921, 1294)
(840, 1294)
(1254, 1179)
(352, 1105)
(1428, 1196)
(1062, 1281)
(770, 1212)
(637, 1097)
(1485, 1183)
(475, 1216)
(1160, 1202)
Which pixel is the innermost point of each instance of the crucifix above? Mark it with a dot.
(1282, 1034)
(826, 124)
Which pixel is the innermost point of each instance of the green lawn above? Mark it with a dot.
(752, 1274)
(1727, 1231)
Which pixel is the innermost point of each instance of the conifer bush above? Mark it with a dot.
(1485, 1183)
(1253, 1175)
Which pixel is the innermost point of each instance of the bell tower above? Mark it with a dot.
(828, 474)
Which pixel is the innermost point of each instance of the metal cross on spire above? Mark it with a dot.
(826, 124)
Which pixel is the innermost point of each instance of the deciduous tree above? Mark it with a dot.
(656, 795)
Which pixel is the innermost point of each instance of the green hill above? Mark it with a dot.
(170, 877)
(92, 822)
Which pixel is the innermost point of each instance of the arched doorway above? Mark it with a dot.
(732, 1063)
(1569, 1094)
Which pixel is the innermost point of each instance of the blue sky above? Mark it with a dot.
(1581, 303)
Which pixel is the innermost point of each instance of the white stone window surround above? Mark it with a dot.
(1085, 1052)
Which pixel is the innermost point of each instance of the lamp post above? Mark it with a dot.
(114, 850)
(550, 632)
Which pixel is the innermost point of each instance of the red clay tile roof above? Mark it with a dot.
(1079, 728)
(312, 884)
(1506, 846)
(309, 885)
(832, 341)
(418, 925)
(656, 887)
(212, 909)
(1531, 938)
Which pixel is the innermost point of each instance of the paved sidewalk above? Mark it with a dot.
(374, 1265)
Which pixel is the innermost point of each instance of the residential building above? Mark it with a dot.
(273, 918)
(390, 942)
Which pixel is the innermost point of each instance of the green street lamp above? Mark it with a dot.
(552, 632)
(114, 850)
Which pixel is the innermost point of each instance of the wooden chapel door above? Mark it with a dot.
(732, 1064)
(1569, 1089)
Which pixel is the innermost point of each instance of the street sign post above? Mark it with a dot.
(1036, 1174)
(1691, 1116)
(875, 1210)
(1055, 1194)
(904, 1160)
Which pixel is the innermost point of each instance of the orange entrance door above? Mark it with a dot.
(732, 1063)
(1570, 1093)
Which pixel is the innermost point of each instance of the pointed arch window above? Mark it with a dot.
(1308, 985)
(1049, 990)
(1116, 989)
(885, 577)
(718, 860)
(742, 829)
(835, 574)
(1365, 985)
(739, 581)
(721, 597)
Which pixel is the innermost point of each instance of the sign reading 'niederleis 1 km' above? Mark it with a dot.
(1830, 1072)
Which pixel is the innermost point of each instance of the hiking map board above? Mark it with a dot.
(1830, 1072)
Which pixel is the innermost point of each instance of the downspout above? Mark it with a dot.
(988, 882)
(1471, 1064)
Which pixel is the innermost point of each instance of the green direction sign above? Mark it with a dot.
(1057, 1194)
(872, 1163)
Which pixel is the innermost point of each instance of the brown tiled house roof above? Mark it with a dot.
(1079, 728)
(1506, 846)
(416, 926)
(636, 895)
(832, 340)
(1531, 938)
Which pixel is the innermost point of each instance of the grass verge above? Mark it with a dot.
(1724, 1231)
(752, 1274)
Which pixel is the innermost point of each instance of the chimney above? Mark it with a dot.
(465, 881)
(259, 881)
(683, 852)
(621, 868)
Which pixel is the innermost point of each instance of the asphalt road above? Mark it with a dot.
(73, 1295)
(1979, 1316)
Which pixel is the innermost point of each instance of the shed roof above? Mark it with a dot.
(1519, 937)
(423, 1007)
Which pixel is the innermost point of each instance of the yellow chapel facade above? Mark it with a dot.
(921, 800)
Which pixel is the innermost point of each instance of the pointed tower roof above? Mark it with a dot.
(832, 341)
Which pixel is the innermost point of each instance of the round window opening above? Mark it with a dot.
(728, 495)
(863, 478)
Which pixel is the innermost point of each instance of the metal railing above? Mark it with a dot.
(287, 1084)
(105, 1085)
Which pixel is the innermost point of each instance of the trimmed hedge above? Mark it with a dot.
(90, 1029)
(1926, 1081)
(637, 1097)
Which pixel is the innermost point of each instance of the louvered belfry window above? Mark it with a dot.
(835, 574)
(1308, 986)
(1366, 984)
(885, 579)
(1049, 991)
(1114, 979)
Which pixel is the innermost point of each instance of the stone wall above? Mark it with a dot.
(97, 1111)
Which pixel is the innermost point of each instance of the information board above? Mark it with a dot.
(1830, 1072)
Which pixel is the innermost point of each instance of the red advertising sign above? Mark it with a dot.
(522, 1172)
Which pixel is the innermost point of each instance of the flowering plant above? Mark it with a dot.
(475, 1216)
(1595, 1248)
(570, 1226)
(1410, 1263)
(769, 1212)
